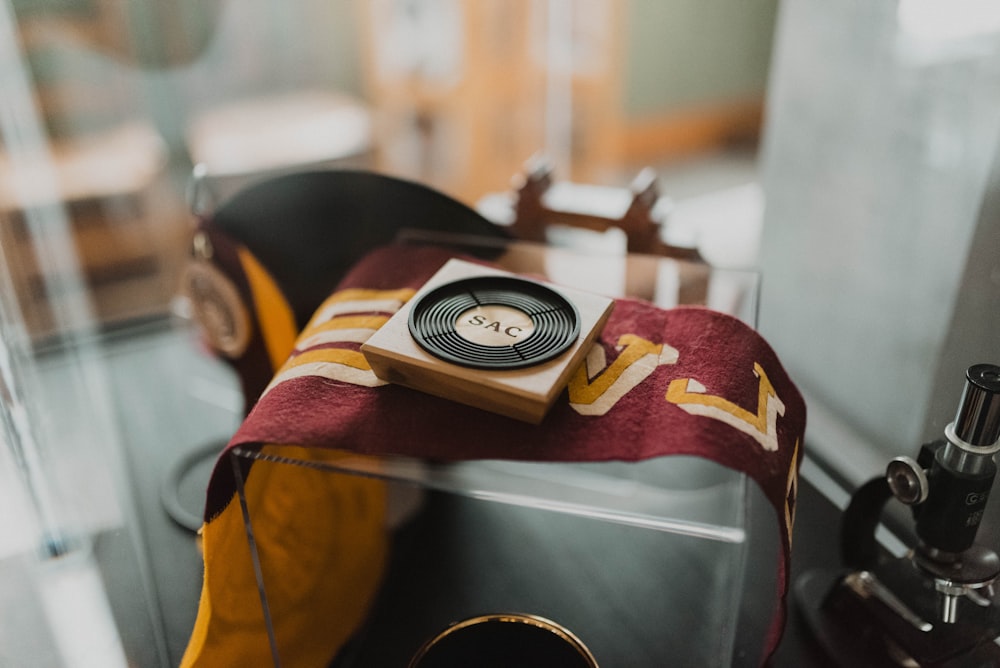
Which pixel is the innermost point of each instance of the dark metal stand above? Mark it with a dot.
(936, 605)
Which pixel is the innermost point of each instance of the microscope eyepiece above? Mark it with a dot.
(960, 470)
(977, 421)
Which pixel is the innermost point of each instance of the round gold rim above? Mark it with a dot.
(514, 617)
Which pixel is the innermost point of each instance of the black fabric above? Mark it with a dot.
(308, 228)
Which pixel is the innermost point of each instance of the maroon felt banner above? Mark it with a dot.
(683, 381)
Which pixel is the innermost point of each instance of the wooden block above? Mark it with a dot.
(525, 393)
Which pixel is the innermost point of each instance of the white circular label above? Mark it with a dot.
(494, 325)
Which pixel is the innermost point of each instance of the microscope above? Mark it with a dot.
(935, 605)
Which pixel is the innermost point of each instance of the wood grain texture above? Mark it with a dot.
(523, 394)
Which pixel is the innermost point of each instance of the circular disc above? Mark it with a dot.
(494, 322)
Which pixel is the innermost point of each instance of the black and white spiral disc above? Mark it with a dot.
(494, 322)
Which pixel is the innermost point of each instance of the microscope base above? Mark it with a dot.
(863, 631)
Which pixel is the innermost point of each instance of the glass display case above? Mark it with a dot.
(643, 561)
(108, 390)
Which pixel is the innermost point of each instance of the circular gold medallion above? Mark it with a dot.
(218, 308)
(494, 325)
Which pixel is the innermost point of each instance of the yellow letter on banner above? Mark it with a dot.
(792, 492)
(691, 396)
(637, 360)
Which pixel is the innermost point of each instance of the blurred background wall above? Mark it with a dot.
(879, 170)
(866, 132)
(453, 93)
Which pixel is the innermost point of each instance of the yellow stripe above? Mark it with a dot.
(274, 316)
(402, 295)
(351, 322)
(364, 294)
(352, 358)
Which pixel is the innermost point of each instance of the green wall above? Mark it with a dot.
(678, 54)
(688, 53)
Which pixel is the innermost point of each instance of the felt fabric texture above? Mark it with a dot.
(322, 548)
(685, 381)
(326, 544)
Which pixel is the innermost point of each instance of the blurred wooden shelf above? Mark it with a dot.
(465, 92)
(109, 198)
